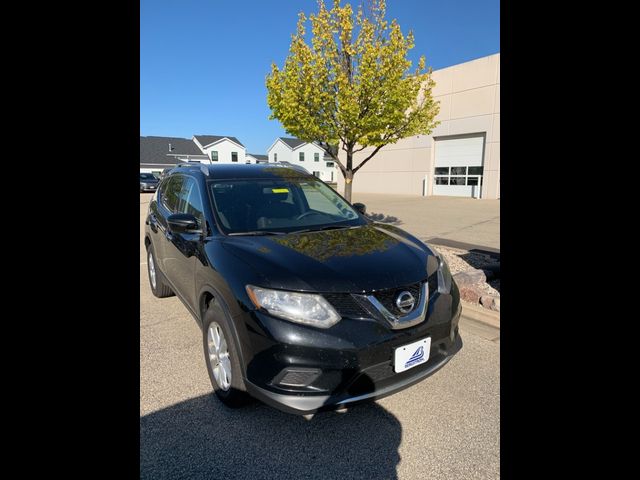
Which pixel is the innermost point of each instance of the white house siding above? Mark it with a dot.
(282, 151)
(224, 148)
(309, 164)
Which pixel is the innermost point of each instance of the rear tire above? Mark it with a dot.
(223, 360)
(157, 282)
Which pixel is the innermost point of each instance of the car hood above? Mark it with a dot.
(362, 259)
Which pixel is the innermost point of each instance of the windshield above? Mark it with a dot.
(147, 176)
(279, 206)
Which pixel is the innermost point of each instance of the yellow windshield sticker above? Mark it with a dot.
(280, 190)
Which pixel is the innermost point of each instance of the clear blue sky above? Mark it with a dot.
(203, 62)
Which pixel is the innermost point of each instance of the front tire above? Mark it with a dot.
(223, 361)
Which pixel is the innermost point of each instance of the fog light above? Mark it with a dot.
(296, 377)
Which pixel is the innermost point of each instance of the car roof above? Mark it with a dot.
(238, 171)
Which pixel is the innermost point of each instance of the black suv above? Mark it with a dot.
(304, 303)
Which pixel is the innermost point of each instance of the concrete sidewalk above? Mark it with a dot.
(465, 220)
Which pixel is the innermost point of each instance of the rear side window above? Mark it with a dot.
(170, 195)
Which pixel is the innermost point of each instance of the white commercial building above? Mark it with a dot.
(461, 157)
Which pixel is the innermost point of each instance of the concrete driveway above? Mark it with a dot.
(444, 427)
(467, 220)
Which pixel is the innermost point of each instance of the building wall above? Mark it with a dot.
(469, 96)
(156, 170)
(309, 164)
(250, 159)
(282, 150)
(224, 149)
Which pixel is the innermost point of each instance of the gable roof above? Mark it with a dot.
(156, 149)
(209, 139)
(258, 156)
(293, 143)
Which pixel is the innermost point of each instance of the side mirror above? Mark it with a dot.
(360, 207)
(183, 222)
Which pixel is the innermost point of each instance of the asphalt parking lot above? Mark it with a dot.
(444, 427)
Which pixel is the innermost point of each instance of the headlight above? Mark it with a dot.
(306, 308)
(444, 274)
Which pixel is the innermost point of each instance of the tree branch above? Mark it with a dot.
(327, 149)
(368, 158)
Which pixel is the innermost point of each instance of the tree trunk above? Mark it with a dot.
(348, 176)
(348, 181)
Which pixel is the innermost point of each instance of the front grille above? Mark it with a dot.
(349, 306)
(388, 297)
(346, 305)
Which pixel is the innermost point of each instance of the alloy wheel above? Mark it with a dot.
(219, 356)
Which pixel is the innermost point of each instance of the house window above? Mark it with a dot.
(214, 155)
(234, 156)
(275, 157)
(329, 164)
(317, 174)
(442, 170)
(302, 156)
(316, 157)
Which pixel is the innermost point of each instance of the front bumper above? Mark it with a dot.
(306, 404)
(347, 363)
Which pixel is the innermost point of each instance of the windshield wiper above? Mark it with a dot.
(256, 233)
(327, 227)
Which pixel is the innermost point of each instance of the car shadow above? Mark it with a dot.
(381, 217)
(201, 438)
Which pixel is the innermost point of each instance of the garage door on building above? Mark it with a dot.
(459, 165)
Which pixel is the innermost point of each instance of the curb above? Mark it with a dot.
(480, 314)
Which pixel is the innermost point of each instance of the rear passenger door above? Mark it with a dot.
(181, 248)
(158, 212)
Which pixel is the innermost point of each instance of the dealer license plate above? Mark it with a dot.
(411, 355)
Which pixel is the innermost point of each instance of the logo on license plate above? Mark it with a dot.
(417, 357)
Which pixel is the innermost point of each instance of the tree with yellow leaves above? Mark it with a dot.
(352, 86)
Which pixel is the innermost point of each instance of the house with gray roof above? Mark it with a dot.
(158, 153)
(257, 158)
(310, 156)
(222, 149)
